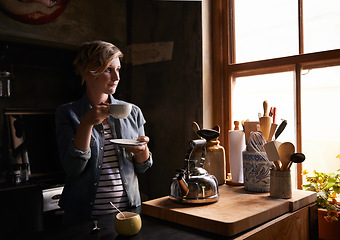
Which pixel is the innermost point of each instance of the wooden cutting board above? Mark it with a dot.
(237, 210)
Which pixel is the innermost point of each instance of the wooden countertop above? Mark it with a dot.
(237, 210)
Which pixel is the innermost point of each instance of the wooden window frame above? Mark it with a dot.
(225, 70)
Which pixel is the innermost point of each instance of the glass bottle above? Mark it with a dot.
(6, 72)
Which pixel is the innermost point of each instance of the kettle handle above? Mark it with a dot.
(192, 147)
(202, 157)
(193, 144)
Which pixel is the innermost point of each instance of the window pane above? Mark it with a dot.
(278, 89)
(320, 118)
(265, 29)
(321, 25)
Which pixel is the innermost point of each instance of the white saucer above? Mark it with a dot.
(127, 142)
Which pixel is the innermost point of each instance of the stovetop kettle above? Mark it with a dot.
(193, 184)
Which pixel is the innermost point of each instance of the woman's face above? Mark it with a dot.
(105, 82)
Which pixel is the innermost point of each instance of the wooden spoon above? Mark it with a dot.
(286, 150)
(296, 158)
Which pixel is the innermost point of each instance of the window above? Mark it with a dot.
(320, 117)
(265, 29)
(288, 53)
(321, 23)
(277, 89)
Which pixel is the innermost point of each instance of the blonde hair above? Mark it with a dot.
(94, 57)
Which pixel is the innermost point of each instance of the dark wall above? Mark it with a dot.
(169, 92)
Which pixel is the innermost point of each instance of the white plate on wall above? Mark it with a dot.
(127, 142)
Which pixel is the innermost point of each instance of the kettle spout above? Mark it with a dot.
(183, 186)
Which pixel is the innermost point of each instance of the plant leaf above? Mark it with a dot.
(336, 188)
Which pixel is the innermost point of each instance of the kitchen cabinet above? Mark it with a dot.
(28, 207)
(21, 208)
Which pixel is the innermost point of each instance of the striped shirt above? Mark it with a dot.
(110, 187)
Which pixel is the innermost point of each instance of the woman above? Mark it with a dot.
(98, 171)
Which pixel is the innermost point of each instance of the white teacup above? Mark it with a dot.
(120, 110)
(128, 225)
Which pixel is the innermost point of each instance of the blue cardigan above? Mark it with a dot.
(83, 168)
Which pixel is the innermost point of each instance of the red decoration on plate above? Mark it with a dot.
(35, 12)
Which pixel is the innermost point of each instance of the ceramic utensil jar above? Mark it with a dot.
(256, 172)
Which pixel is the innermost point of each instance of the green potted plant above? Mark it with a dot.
(327, 187)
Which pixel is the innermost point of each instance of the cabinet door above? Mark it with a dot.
(21, 210)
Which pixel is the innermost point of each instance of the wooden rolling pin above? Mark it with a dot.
(272, 130)
(265, 121)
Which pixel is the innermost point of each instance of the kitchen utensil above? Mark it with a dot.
(95, 228)
(195, 127)
(256, 142)
(280, 129)
(208, 134)
(117, 209)
(272, 113)
(236, 125)
(273, 128)
(265, 121)
(250, 127)
(193, 184)
(296, 158)
(286, 150)
(242, 123)
(271, 149)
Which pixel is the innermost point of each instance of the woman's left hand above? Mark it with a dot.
(141, 152)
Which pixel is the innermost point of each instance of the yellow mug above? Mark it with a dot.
(128, 223)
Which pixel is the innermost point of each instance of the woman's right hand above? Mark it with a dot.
(97, 114)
